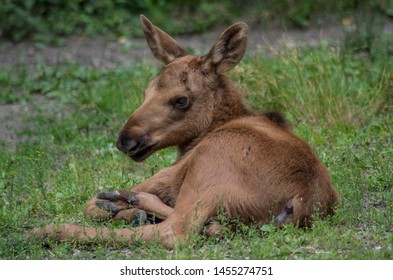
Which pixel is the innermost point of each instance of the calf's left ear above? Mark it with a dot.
(228, 49)
(163, 46)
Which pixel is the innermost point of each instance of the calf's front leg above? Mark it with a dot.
(118, 201)
(99, 209)
(155, 196)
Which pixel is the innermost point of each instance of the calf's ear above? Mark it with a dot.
(162, 45)
(229, 49)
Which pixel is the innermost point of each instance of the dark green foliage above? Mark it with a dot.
(43, 20)
(46, 20)
(301, 13)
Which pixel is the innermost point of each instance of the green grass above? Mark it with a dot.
(339, 102)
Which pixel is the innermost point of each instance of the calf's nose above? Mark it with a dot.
(128, 146)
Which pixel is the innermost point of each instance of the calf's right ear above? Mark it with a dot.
(228, 49)
(163, 46)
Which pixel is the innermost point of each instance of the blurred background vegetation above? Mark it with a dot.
(46, 20)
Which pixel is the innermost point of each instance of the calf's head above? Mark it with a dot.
(181, 101)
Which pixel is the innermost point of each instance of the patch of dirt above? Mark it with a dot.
(13, 119)
(10, 123)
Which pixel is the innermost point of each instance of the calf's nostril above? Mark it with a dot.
(132, 146)
(127, 146)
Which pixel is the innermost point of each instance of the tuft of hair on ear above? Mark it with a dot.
(278, 119)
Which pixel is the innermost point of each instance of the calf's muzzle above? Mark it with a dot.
(136, 147)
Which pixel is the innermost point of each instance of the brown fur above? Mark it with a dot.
(251, 166)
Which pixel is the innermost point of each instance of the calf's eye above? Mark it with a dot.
(182, 102)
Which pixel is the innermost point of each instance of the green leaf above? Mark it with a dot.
(266, 228)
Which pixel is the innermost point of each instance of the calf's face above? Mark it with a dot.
(177, 108)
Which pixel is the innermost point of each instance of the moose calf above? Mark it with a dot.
(251, 166)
